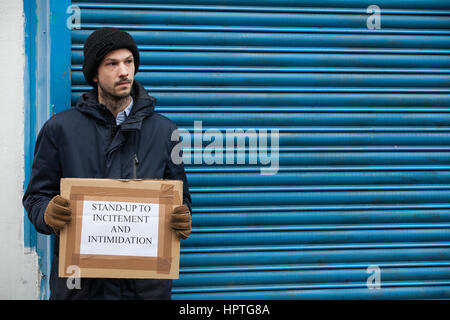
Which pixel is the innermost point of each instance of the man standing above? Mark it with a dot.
(112, 132)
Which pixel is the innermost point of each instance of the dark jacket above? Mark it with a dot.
(84, 142)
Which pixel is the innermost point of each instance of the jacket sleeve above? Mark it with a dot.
(44, 179)
(176, 172)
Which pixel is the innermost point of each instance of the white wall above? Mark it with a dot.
(18, 265)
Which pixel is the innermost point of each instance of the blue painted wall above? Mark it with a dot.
(47, 91)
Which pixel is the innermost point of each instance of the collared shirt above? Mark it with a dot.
(122, 116)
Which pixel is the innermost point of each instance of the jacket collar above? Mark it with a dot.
(143, 106)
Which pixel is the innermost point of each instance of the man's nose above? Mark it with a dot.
(123, 70)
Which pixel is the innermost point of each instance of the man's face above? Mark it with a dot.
(115, 74)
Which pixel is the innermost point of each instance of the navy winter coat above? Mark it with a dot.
(84, 142)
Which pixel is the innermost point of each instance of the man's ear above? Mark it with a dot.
(95, 78)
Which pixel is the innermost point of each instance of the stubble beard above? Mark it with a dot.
(114, 102)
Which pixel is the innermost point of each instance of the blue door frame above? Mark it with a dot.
(47, 91)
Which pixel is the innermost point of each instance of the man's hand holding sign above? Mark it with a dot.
(128, 229)
(59, 214)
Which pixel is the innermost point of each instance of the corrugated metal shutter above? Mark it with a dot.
(363, 187)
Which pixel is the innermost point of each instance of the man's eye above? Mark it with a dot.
(129, 61)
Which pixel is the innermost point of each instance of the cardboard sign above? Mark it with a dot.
(120, 229)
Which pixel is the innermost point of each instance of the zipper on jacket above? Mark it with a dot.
(113, 130)
(135, 165)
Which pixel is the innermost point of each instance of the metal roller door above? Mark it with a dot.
(359, 207)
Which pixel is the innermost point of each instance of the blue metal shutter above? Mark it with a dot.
(363, 187)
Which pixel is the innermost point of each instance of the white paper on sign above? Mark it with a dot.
(120, 228)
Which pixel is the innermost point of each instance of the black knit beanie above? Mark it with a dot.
(100, 43)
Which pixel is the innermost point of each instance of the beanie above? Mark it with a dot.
(100, 43)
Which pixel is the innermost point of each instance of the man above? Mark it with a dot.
(112, 132)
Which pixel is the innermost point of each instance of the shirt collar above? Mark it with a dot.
(121, 116)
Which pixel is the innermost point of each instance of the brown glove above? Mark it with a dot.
(180, 222)
(58, 213)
